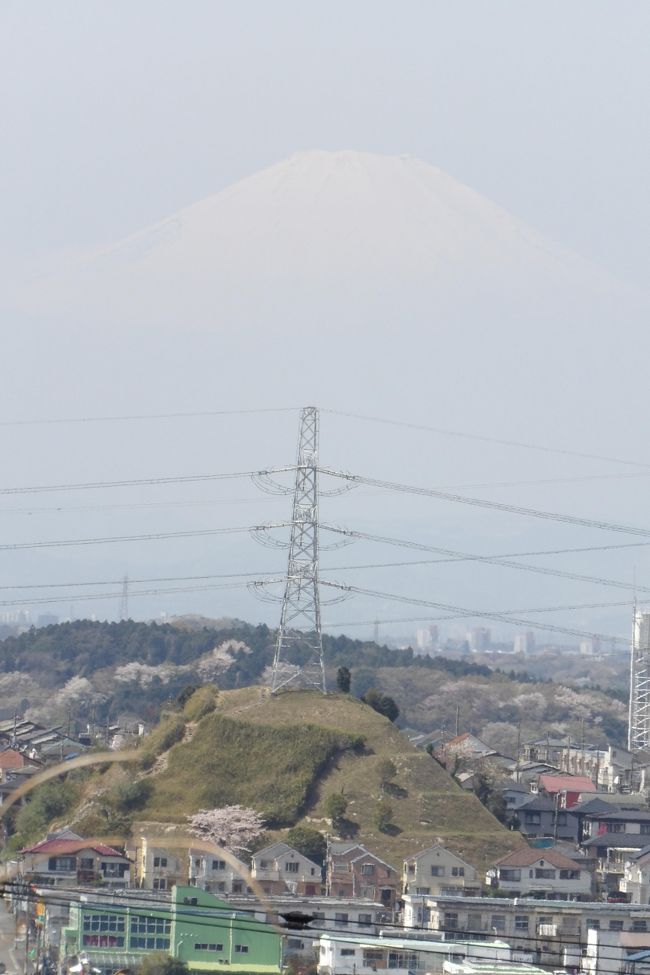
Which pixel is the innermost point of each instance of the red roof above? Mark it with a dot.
(72, 846)
(10, 758)
(566, 783)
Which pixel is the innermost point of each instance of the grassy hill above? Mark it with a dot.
(285, 755)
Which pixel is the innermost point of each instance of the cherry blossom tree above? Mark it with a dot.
(233, 827)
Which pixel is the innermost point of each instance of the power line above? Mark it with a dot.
(483, 503)
(149, 537)
(575, 607)
(137, 482)
(490, 560)
(483, 439)
(118, 418)
(335, 568)
(498, 616)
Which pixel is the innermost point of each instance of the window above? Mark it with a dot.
(615, 925)
(474, 922)
(86, 863)
(295, 943)
(410, 869)
(510, 875)
(160, 861)
(218, 864)
(521, 922)
(422, 891)
(616, 828)
(458, 871)
(208, 947)
(371, 956)
(402, 959)
(341, 919)
(498, 923)
(264, 864)
(451, 921)
(192, 901)
(350, 952)
(238, 886)
(645, 829)
(148, 932)
(532, 818)
(437, 871)
(103, 931)
(365, 919)
(291, 866)
(544, 873)
(62, 864)
(593, 924)
(569, 875)
(241, 949)
(639, 925)
(367, 869)
(159, 883)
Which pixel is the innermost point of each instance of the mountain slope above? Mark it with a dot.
(356, 220)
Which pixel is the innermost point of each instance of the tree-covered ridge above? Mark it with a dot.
(97, 671)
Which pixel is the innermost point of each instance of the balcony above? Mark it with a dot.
(547, 930)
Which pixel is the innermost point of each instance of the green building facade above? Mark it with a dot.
(117, 932)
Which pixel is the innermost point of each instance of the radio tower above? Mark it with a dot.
(639, 721)
(301, 601)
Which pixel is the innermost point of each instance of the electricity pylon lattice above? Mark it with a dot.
(639, 720)
(300, 624)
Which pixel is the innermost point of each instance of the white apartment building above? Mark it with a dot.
(217, 873)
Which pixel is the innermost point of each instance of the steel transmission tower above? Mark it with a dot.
(639, 720)
(301, 601)
(124, 600)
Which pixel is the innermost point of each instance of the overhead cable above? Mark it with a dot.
(490, 560)
(484, 503)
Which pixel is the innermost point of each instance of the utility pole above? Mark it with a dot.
(301, 601)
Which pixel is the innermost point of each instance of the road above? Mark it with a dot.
(12, 952)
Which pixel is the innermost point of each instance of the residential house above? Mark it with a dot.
(541, 816)
(158, 868)
(353, 871)
(434, 871)
(540, 873)
(65, 859)
(11, 758)
(635, 882)
(218, 873)
(279, 868)
(616, 837)
(564, 789)
(193, 926)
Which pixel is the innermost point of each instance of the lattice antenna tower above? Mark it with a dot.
(124, 599)
(639, 718)
(300, 623)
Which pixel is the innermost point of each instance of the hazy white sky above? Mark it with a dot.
(115, 115)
